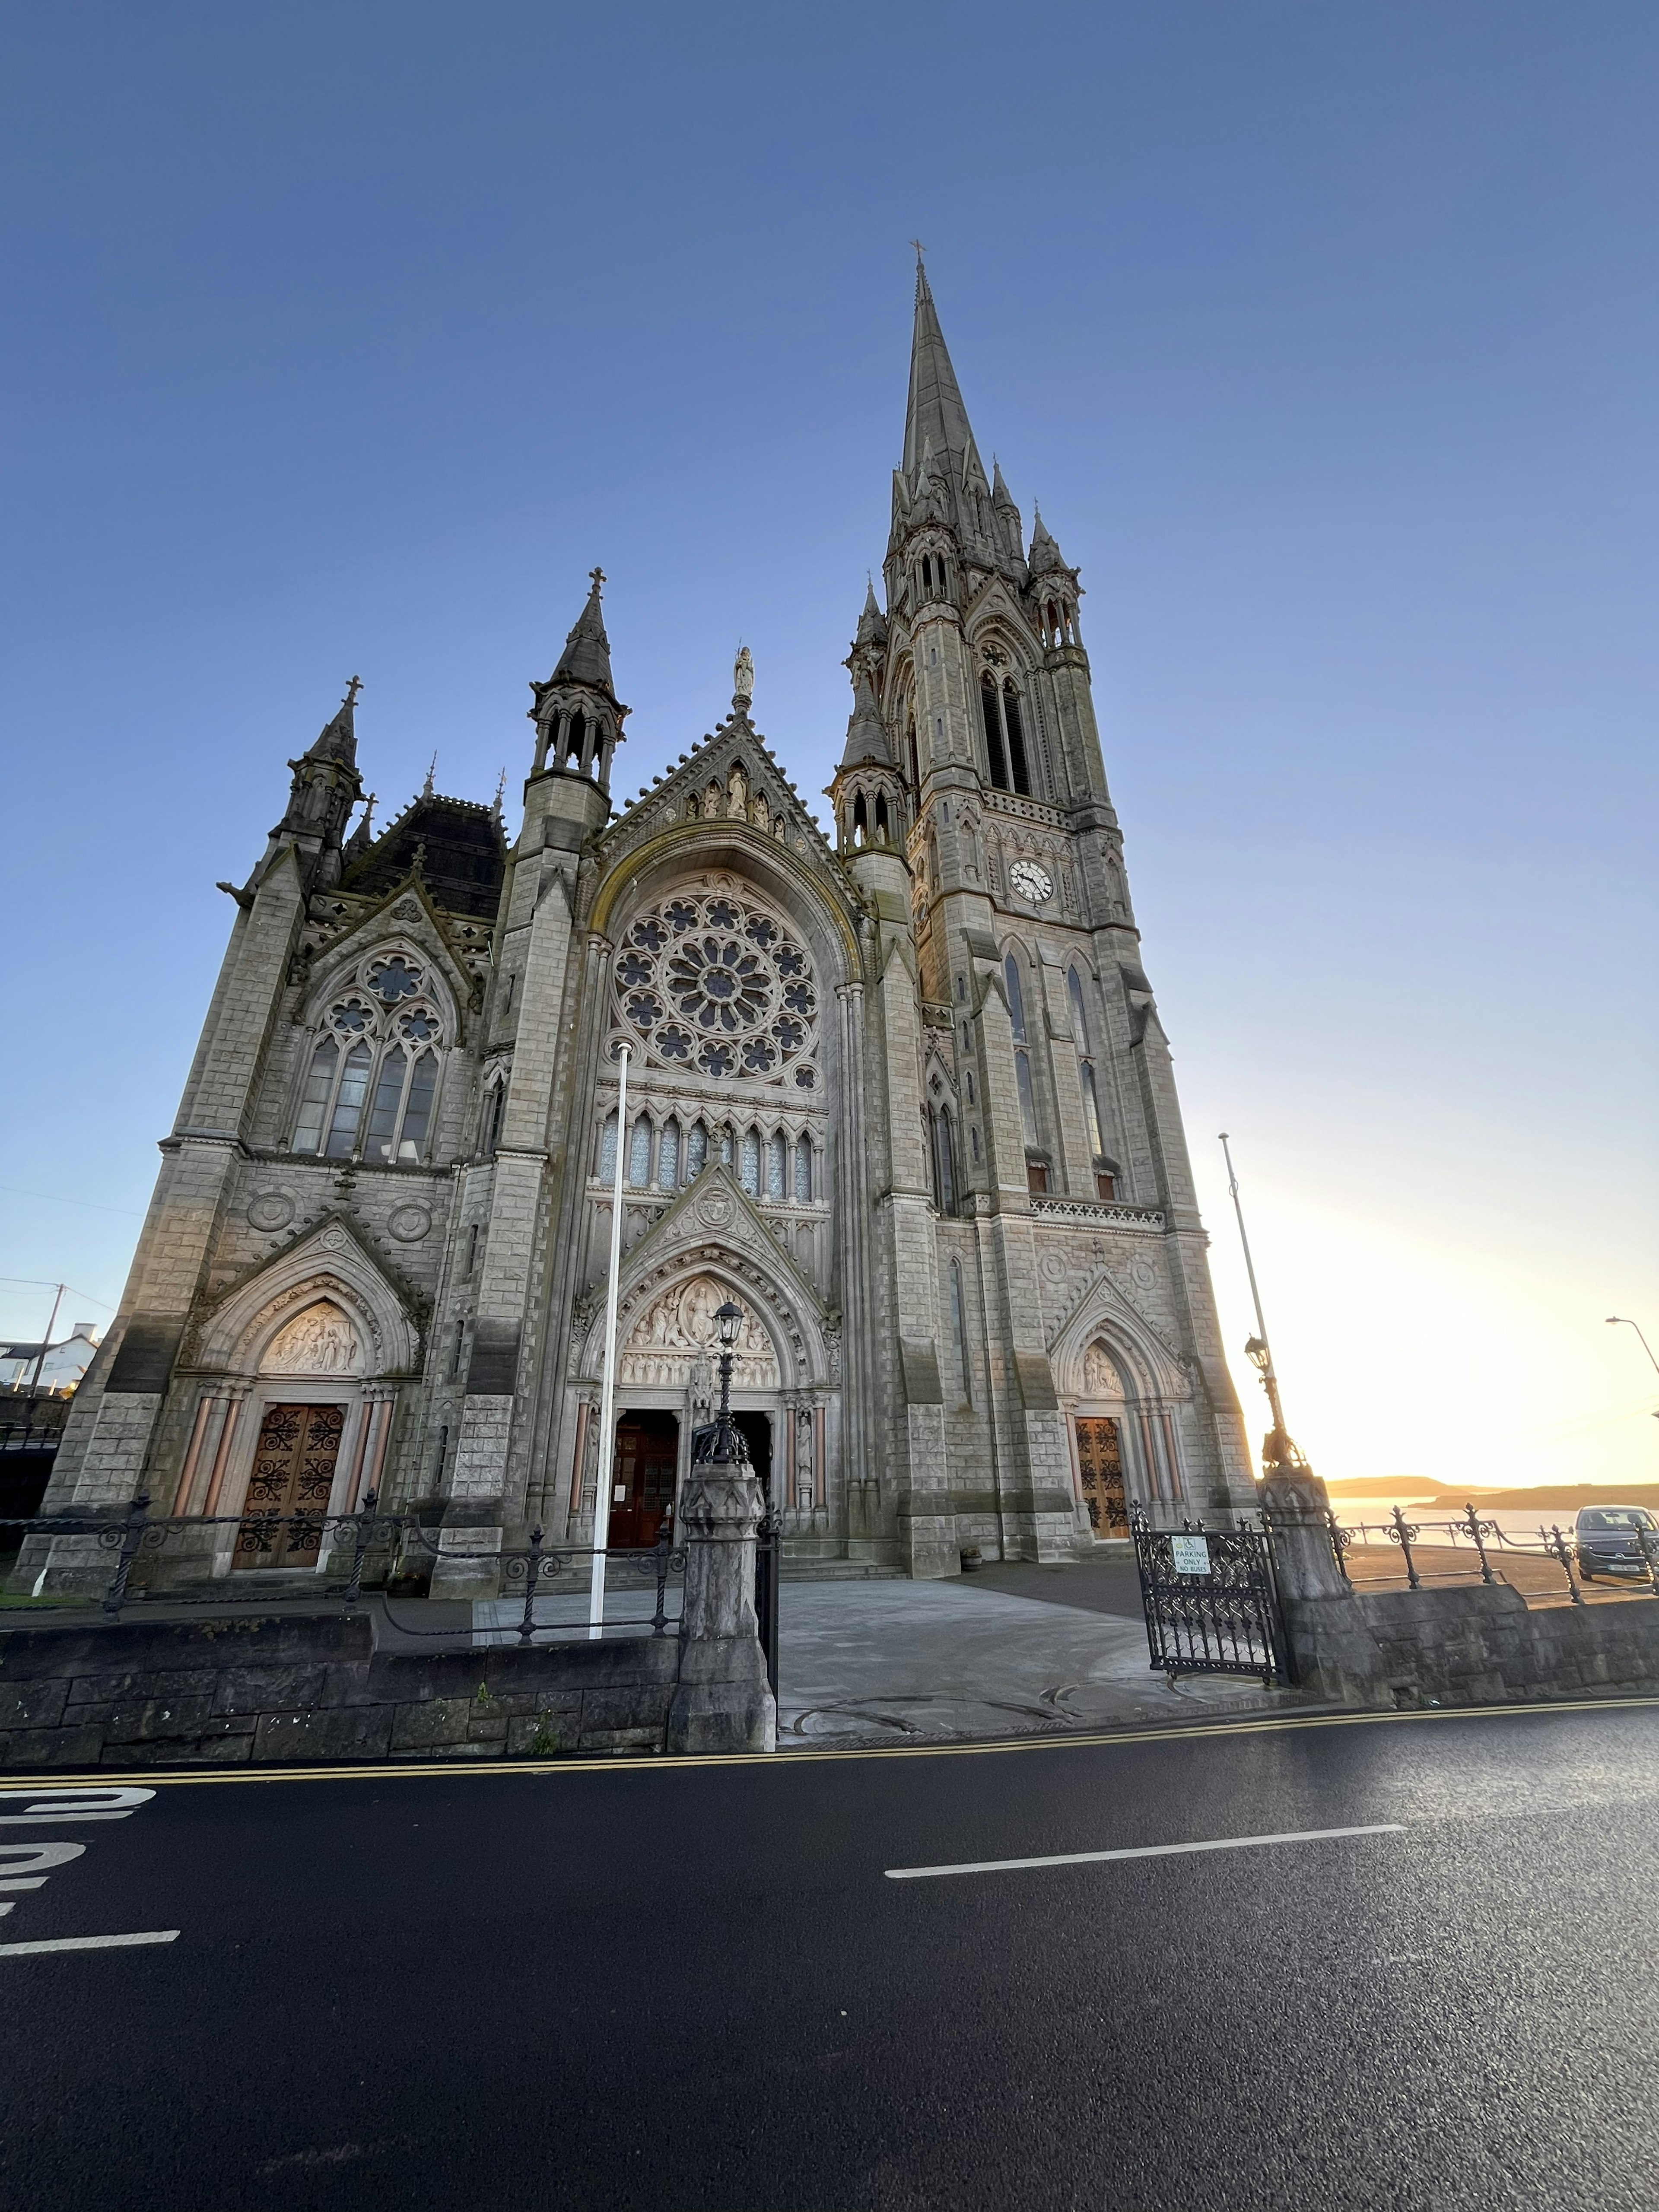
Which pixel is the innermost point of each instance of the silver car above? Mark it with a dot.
(1607, 1540)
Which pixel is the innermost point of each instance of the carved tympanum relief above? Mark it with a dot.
(319, 1341)
(679, 1330)
(1100, 1378)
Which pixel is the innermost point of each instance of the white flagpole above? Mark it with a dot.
(608, 1388)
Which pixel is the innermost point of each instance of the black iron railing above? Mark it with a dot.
(131, 1544)
(1487, 1540)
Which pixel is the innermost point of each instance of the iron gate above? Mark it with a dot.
(1211, 1601)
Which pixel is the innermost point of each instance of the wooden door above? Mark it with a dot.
(288, 1492)
(1100, 1461)
(642, 1487)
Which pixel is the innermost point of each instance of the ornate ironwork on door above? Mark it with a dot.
(1211, 1602)
(1100, 1462)
(288, 1492)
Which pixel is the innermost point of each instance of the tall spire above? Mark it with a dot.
(934, 415)
(337, 740)
(587, 655)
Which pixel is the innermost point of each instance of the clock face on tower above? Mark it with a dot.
(1031, 882)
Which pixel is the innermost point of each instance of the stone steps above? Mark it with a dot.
(838, 1570)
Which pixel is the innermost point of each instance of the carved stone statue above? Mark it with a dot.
(743, 675)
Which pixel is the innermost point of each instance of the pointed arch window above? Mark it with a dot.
(802, 1169)
(777, 1166)
(638, 1154)
(348, 1101)
(402, 1112)
(608, 1150)
(748, 1173)
(944, 1160)
(495, 1115)
(668, 1156)
(995, 757)
(1022, 1056)
(372, 1081)
(696, 1151)
(1005, 734)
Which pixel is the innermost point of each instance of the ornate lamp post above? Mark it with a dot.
(1278, 1450)
(1296, 1504)
(728, 1319)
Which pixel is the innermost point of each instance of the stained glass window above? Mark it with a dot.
(804, 1168)
(750, 1166)
(668, 1156)
(777, 1150)
(394, 979)
(308, 1133)
(608, 1149)
(349, 1102)
(388, 1099)
(638, 1154)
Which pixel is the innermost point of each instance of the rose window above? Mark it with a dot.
(716, 986)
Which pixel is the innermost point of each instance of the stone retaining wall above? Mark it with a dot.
(1473, 1644)
(266, 1692)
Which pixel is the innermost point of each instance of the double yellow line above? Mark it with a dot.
(388, 1771)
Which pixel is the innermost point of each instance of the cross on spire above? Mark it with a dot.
(920, 250)
(596, 577)
(352, 690)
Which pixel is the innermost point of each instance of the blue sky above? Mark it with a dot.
(350, 338)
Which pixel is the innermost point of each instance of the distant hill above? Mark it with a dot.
(1552, 1497)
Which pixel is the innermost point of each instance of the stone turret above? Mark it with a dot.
(326, 787)
(578, 725)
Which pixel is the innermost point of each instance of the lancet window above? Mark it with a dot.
(1005, 734)
(371, 1085)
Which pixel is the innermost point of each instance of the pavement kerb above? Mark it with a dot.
(44, 1780)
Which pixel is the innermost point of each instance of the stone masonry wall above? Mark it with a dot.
(265, 1692)
(1471, 1646)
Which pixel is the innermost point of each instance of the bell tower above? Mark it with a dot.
(1047, 1097)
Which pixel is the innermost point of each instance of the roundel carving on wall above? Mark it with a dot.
(271, 1209)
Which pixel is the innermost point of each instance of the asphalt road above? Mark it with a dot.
(695, 1986)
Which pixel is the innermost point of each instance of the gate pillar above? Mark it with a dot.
(724, 1702)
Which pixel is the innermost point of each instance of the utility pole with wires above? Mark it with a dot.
(40, 1357)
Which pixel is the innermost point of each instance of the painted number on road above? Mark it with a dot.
(1190, 1554)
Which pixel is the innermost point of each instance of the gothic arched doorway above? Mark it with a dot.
(642, 1489)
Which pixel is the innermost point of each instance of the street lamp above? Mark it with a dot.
(728, 1320)
(1617, 1321)
(1278, 1451)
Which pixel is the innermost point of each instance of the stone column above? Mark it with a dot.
(723, 1702)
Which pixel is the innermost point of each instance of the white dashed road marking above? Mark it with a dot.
(1140, 1852)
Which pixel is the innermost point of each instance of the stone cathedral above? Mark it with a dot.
(904, 1097)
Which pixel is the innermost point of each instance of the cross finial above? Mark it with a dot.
(432, 770)
(352, 690)
(597, 576)
(920, 250)
(500, 789)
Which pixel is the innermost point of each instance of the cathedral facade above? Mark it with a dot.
(905, 1096)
